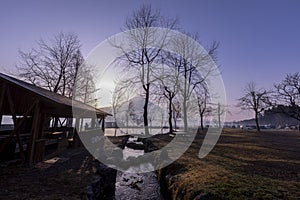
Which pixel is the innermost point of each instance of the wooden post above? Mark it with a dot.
(77, 123)
(34, 133)
(81, 124)
(41, 125)
(13, 112)
(76, 139)
(62, 122)
(39, 144)
(93, 123)
(17, 127)
(103, 124)
(100, 122)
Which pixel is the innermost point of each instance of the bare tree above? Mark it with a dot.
(117, 101)
(57, 65)
(204, 109)
(176, 108)
(194, 65)
(169, 93)
(167, 85)
(254, 99)
(84, 88)
(143, 56)
(53, 64)
(122, 105)
(288, 93)
(221, 109)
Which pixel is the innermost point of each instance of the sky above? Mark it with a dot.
(259, 39)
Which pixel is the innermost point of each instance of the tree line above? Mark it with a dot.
(283, 98)
(176, 80)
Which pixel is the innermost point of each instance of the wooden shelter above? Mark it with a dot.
(30, 107)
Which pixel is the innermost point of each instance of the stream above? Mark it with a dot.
(136, 186)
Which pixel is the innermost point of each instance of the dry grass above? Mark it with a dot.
(243, 165)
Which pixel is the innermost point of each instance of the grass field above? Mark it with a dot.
(243, 165)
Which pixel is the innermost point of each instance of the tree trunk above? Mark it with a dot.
(185, 123)
(184, 107)
(219, 115)
(201, 121)
(175, 123)
(145, 114)
(256, 121)
(56, 87)
(170, 116)
(116, 126)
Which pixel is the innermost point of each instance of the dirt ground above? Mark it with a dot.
(64, 175)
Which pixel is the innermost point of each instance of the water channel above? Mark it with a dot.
(135, 186)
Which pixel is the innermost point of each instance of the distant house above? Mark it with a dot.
(110, 122)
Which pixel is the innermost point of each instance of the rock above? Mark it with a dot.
(108, 177)
(203, 196)
(89, 193)
(124, 141)
(95, 190)
(96, 186)
(135, 146)
(149, 146)
(152, 148)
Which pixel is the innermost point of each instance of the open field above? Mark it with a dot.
(243, 165)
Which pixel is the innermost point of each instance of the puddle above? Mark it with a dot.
(128, 152)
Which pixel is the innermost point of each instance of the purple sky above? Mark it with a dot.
(259, 40)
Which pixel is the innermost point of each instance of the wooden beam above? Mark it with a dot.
(41, 126)
(69, 122)
(77, 123)
(34, 133)
(93, 123)
(13, 112)
(103, 124)
(76, 139)
(39, 144)
(81, 124)
(62, 123)
(56, 119)
(52, 120)
(17, 127)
